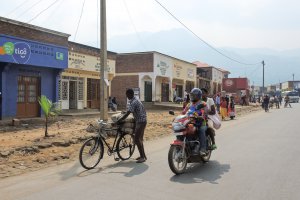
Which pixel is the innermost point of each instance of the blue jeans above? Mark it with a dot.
(202, 137)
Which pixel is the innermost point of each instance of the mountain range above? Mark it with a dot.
(179, 43)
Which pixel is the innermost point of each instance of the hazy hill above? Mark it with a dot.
(280, 65)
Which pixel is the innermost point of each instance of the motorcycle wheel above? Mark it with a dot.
(209, 144)
(177, 159)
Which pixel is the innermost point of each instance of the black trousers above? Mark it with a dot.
(139, 137)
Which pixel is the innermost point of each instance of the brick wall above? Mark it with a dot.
(134, 63)
(81, 48)
(32, 34)
(119, 85)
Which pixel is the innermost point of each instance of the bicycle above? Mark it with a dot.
(92, 150)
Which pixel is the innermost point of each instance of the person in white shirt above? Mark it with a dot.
(210, 110)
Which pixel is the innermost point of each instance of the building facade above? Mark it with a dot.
(290, 85)
(153, 75)
(79, 84)
(210, 77)
(31, 59)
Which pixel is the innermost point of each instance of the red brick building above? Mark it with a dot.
(154, 76)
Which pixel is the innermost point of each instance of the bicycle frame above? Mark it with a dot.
(113, 148)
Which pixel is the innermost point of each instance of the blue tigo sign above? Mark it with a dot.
(16, 50)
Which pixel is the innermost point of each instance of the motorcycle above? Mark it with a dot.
(182, 150)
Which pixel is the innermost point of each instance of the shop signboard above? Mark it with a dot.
(22, 51)
(162, 65)
(88, 63)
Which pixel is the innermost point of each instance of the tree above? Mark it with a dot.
(50, 110)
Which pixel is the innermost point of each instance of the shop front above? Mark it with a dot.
(29, 69)
(190, 77)
(80, 83)
(163, 74)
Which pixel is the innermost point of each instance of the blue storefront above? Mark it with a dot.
(28, 70)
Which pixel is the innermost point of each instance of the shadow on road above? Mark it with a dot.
(136, 169)
(198, 173)
(70, 172)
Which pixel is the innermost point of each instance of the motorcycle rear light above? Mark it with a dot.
(177, 142)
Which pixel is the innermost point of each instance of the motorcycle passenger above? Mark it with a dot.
(210, 110)
(196, 109)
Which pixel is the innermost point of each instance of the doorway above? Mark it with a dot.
(148, 91)
(93, 93)
(73, 95)
(27, 98)
(165, 92)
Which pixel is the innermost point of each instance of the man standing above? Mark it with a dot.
(137, 109)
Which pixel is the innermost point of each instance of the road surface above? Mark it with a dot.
(258, 157)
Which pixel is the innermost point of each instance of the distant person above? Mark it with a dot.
(287, 101)
(223, 108)
(280, 100)
(114, 102)
(227, 101)
(276, 101)
(218, 102)
(266, 102)
(231, 112)
(174, 95)
(110, 104)
(244, 100)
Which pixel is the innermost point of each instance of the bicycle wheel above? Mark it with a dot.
(91, 153)
(125, 146)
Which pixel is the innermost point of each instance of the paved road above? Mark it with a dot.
(258, 157)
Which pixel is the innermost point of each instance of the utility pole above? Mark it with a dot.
(263, 63)
(103, 64)
(293, 82)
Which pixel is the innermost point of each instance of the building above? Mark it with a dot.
(210, 77)
(290, 85)
(31, 60)
(79, 84)
(153, 75)
(237, 87)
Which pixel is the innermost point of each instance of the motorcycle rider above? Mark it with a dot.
(196, 109)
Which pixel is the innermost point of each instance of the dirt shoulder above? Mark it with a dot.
(24, 148)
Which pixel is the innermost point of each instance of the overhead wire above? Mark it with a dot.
(29, 9)
(42, 11)
(16, 8)
(134, 27)
(55, 10)
(79, 20)
(209, 45)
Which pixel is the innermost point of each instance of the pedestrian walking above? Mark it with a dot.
(276, 100)
(218, 102)
(287, 101)
(266, 103)
(139, 113)
(223, 108)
